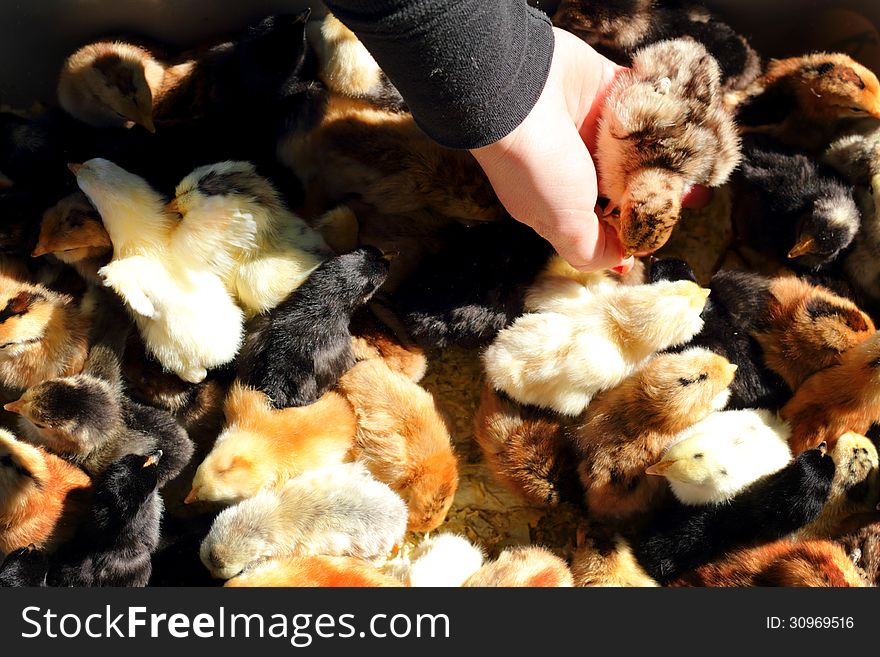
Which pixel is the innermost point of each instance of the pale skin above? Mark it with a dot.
(543, 171)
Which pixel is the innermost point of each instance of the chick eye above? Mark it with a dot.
(875, 362)
(6, 460)
(857, 110)
(39, 426)
(698, 456)
(686, 382)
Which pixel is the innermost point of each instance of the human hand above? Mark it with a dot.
(543, 172)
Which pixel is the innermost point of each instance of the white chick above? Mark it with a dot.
(560, 360)
(234, 221)
(719, 456)
(443, 560)
(560, 286)
(337, 511)
(185, 315)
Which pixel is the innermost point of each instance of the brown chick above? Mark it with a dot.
(263, 447)
(403, 440)
(626, 429)
(526, 449)
(855, 489)
(806, 101)
(863, 547)
(40, 495)
(781, 563)
(523, 567)
(841, 398)
(72, 231)
(805, 328)
(314, 571)
(43, 335)
(605, 558)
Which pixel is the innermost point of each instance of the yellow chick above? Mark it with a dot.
(717, 457)
(262, 447)
(233, 220)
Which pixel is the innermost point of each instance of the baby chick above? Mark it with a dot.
(560, 360)
(804, 328)
(806, 101)
(403, 440)
(841, 398)
(863, 547)
(663, 129)
(605, 558)
(730, 313)
(625, 429)
(313, 571)
(474, 287)
(855, 491)
(787, 204)
(618, 29)
(40, 495)
(185, 315)
(25, 566)
(443, 559)
(781, 563)
(683, 538)
(88, 419)
(336, 511)
(71, 230)
(114, 544)
(298, 351)
(235, 222)
(346, 66)
(719, 456)
(263, 447)
(42, 334)
(523, 567)
(525, 448)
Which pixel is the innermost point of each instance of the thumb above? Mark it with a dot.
(586, 242)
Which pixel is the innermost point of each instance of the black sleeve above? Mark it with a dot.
(470, 70)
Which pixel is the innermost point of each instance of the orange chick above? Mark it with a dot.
(523, 567)
(314, 571)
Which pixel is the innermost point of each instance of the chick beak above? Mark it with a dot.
(731, 369)
(659, 468)
(192, 497)
(153, 459)
(15, 407)
(74, 167)
(823, 448)
(39, 250)
(146, 120)
(389, 256)
(803, 246)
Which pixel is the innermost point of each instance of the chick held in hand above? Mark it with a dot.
(730, 313)
(263, 447)
(72, 231)
(526, 449)
(314, 571)
(682, 538)
(560, 360)
(88, 419)
(234, 221)
(43, 334)
(781, 563)
(841, 398)
(807, 101)
(114, 543)
(530, 566)
(336, 511)
(722, 454)
(626, 428)
(41, 495)
(297, 351)
(403, 440)
(788, 205)
(663, 129)
(186, 317)
(805, 328)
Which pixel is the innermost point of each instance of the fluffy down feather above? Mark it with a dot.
(313, 571)
(523, 567)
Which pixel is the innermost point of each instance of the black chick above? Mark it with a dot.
(682, 538)
(728, 316)
(297, 351)
(114, 544)
(618, 29)
(25, 566)
(475, 287)
(787, 204)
